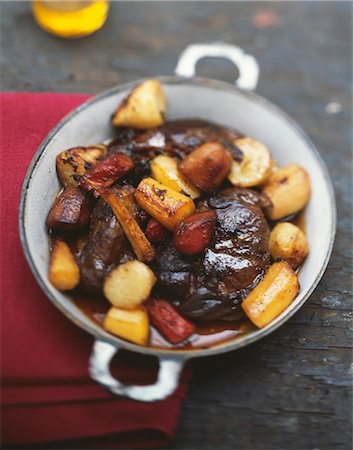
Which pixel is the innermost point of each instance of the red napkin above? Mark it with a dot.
(48, 399)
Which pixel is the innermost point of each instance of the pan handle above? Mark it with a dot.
(246, 64)
(168, 376)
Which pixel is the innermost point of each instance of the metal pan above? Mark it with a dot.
(188, 96)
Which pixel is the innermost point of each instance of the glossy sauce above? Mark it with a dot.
(205, 336)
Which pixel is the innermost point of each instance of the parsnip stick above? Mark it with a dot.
(141, 245)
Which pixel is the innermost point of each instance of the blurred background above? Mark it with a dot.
(304, 50)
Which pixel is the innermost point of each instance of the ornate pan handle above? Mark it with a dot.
(246, 64)
(168, 375)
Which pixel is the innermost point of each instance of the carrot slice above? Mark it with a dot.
(166, 319)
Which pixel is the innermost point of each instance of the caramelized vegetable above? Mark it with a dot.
(255, 166)
(64, 272)
(129, 285)
(272, 295)
(70, 211)
(132, 324)
(122, 210)
(143, 108)
(192, 235)
(106, 172)
(288, 189)
(167, 206)
(155, 231)
(72, 164)
(288, 242)
(165, 170)
(166, 319)
(207, 166)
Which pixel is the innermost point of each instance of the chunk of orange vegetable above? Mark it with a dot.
(272, 295)
(166, 205)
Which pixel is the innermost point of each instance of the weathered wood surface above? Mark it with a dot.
(292, 390)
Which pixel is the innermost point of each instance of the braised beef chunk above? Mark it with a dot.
(176, 138)
(106, 247)
(212, 285)
(182, 136)
(179, 137)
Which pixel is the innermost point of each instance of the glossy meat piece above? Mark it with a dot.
(70, 211)
(180, 137)
(211, 286)
(176, 138)
(106, 247)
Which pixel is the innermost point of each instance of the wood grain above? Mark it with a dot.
(293, 389)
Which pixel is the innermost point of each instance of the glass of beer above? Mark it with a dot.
(70, 18)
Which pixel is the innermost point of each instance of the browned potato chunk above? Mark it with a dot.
(70, 211)
(64, 272)
(255, 166)
(167, 206)
(143, 108)
(132, 325)
(72, 164)
(288, 189)
(207, 166)
(129, 285)
(287, 241)
(272, 295)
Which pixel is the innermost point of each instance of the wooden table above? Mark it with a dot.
(292, 389)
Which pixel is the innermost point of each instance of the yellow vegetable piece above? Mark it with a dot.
(166, 205)
(64, 272)
(272, 295)
(288, 189)
(143, 108)
(255, 167)
(132, 325)
(287, 241)
(129, 284)
(165, 170)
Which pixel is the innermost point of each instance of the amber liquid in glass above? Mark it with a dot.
(70, 18)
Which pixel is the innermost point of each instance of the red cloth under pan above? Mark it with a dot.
(47, 396)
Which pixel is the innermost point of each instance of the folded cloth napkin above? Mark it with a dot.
(47, 397)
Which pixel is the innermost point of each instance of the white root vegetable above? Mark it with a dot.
(143, 108)
(287, 241)
(255, 167)
(129, 285)
(288, 189)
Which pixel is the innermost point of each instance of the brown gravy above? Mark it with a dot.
(205, 336)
